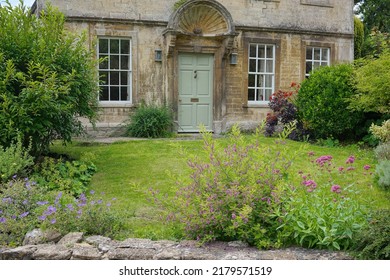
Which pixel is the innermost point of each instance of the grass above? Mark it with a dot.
(127, 170)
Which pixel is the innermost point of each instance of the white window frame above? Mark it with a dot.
(261, 74)
(316, 63)
(129, 71)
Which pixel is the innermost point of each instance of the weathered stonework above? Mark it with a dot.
(75, 246)
(216, 27)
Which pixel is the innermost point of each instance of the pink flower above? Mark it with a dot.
(366, 167)
(350, 160)
(336, 189)
(310, 183)
(323, 159)
(341, 168)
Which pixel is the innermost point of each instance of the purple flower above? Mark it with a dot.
(3, 220)
(42, 218)
(310, 183)
(323, 159)
(1, 211)
(336, 189)
(25, 202)
(53, 221)
(350, 168)
(108, 204)
(311, 153)
(15, 176)
(25, 214)
(58, 197)
(40, 203)
(92, 192)
(366, 167)
(350, 160)
(233, 216)
(7, 200)
(341, 168)
(100, 201)
(50, 210)
(70, 207)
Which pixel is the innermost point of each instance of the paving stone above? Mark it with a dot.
(19, 253)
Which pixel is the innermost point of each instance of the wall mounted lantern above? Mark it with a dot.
(158, 55)
(233, 58)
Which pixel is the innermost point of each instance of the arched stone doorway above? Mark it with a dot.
(198, 42)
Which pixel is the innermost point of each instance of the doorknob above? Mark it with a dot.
(196, 74)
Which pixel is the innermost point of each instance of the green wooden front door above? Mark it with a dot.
(195, 92)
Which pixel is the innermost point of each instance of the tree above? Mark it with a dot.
(375, 13)
(373, 84)
(48, 78)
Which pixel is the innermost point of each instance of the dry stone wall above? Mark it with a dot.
(40, 245)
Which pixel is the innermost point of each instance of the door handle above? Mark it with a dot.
(196, 74)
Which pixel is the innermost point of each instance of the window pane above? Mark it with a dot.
(316, 65)
(114, 46)
(103, 45)
(317, 54)
(104, 77)
(114, 62)
(308, 67)
(252, 65)
(270, 51)
(124, 80)
(124, 94)
(260, 95)
(104, 96)
(125, 47)
(251, 94)
(252, 51)
(268, 81)
(261, 66)
(252, 80)
(268, 93)
(309, 53)
(261, 51)
(260, 80)
(104, 63)
(114, 78)
(125, 62)
(324, 64)
(114, 93)
(325, 54)
(270, 66)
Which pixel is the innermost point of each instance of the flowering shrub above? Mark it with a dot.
(230, 195)
(25, 206)
(326, 214)
(284, 112)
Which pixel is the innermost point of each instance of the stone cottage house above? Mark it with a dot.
(215, 62)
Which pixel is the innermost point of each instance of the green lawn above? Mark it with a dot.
(127, 170)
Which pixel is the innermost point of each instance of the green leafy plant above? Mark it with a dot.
(373, 242)
(358, 37)
(382, 151)
(48, 78)
(322, 103)
(178, 4)
(72, 177)
(322, 215)
(151, 121)
(14, 160)
(381, 132)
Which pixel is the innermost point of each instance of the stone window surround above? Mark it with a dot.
(245, 69)
(316, 44)
(125, 34)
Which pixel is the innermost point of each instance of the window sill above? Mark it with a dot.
(265, 105)
(107, 104)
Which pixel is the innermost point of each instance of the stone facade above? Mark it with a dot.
(224, 28)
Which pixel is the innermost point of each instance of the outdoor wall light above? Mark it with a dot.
(233, 58)
(158, 55)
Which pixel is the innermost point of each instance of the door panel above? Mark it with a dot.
(195, 92)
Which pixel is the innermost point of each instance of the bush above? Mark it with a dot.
(382, 151)
(373, 242)
(14, 160)
(373, 83)
(322, 104)
(382, 172)
(48, 79)
(25, 206)
(151, 121)
(72, 177)
(381, 132)
(358, 37)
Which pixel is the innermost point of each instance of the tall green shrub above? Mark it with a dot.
(358, 37)
(47, 78)
(150, 121)
(322, 102)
